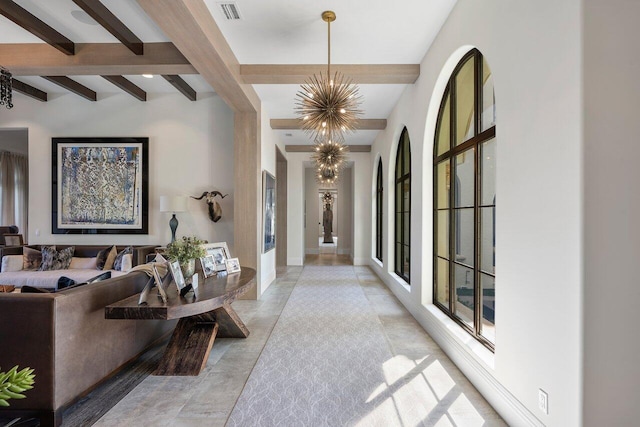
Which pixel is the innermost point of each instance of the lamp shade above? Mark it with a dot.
(173, 203)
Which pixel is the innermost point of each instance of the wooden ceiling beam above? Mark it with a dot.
(359, 73)
(190, 26)
(35, 26)
(127, 86)
(28, 90)
(37, 59)
(72, 86)
(182, 86)
(311, 149)
(361, 124)
(111, 23)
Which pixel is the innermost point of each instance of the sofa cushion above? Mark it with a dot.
(56, 260)
(11, 263)
(106, 257)
(117, 263)
(83, 262)
(31, 258)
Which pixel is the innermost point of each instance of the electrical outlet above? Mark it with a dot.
(543, 401)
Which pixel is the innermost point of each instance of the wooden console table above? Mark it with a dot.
(202, 318)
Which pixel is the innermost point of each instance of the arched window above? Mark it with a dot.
(464, 169)
(379, 190)
(403, 207)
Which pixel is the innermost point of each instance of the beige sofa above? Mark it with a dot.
(65, 337)
(49, 279)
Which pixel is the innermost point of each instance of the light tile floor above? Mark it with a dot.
(207, 400)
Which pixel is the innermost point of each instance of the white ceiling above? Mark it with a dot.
(271, 32)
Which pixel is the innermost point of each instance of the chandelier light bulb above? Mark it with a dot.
(342, 110)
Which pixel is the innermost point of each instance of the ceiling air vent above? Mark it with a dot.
(230, 11)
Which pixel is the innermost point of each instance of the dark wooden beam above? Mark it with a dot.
(311, 148)
(36, 27)
(28, 90)
(127, 86)
(39, 59)
(72, 86)
(111, 23)
(182, 86)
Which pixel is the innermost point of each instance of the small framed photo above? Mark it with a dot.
(233, 265)
(220, 253)
(208, 266)
(176, 272)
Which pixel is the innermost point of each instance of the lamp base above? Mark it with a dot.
(173, 225)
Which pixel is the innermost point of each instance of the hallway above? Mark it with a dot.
(329, 346)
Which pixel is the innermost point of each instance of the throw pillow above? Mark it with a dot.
(117, 263)
(127, 262)
(100, 277)
(83, 263)
(65, 282)
(11, 263)
(56, 260)
(31, 258)
(105, 258)
(31, 290)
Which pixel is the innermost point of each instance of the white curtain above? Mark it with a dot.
(14, 190)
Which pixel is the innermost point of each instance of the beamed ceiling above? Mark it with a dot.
(89, 48)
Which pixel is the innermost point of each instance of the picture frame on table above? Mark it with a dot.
(208, 266)
(176, 273)
(220, 253)
(233, 265)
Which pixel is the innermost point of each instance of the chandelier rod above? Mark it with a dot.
(328, 16)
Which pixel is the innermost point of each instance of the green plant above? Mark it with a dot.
(14, 383)
(185, 249)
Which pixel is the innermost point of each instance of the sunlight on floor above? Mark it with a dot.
(420, 392)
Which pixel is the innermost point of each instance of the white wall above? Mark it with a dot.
(190, 151)
(611, 212)
(269, 141)
(534, 51)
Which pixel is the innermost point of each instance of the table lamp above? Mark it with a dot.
(173, 204)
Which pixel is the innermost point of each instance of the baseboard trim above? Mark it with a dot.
(295, 261)
(360, 261)
(509, 408)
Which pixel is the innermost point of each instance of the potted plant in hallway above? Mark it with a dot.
(185, 251)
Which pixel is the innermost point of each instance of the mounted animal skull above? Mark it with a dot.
(215, 211)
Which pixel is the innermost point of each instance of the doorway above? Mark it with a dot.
(14, 179)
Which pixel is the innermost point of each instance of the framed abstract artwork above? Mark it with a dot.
(269, 211)
(100, 186)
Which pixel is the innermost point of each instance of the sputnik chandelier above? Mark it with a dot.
(328, 106)
(5, 88)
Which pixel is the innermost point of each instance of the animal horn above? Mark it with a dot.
(217, 193)
(199, 198)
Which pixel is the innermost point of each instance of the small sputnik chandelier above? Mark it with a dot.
(328, 105)
(5, 88)
(330, 160)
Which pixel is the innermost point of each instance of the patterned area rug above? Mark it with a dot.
(322, 364)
